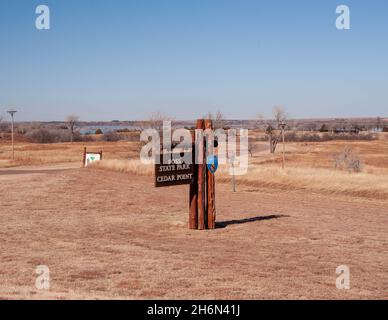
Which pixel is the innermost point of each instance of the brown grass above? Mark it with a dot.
(125, 166)
(38, 154)
(309, 165)
(310, 179)
(106, 234)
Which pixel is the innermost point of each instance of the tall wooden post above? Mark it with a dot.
(84, 157)
(193, 210)
(202, 210)
(210, 190)
(201, 178)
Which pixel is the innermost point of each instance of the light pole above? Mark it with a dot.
(12, 112)
(282, 126)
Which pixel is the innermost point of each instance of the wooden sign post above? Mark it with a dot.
(90, 157)
(193, 196)
(210, 187)
(201, 178)
(202, 210)
(205, 204)
(175, 172)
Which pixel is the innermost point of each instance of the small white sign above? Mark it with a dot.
(92, 157)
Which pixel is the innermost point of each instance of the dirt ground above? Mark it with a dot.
(113, 235)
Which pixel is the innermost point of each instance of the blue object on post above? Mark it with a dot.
(212, 163)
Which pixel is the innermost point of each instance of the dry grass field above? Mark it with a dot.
(106, 232)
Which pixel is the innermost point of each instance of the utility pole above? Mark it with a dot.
(283, 126)
(12, 112)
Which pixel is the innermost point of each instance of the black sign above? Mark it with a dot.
(175, 171)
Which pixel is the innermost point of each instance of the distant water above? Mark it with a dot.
(104, 128)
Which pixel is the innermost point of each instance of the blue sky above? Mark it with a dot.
(107, 60)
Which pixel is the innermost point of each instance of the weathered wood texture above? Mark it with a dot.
(210, 188)
(201, 178)
(193, 205)
(174, 172)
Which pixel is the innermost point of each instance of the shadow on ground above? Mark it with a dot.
(224, 224)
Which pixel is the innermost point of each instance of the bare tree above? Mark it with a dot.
(251, 147)
(218, 120)
(208, 116)
(260, 122)
(71, 122)
(273, 138)
(279, 114)
(155, 120)
(251, 141)
(347, 160)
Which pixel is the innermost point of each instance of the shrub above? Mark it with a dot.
(131, 136)
(347, 160)
(22, 130)
(111, 137)
(43, 135)
(324, 128)
(124, 130)
(293, 136)
(5, 127)
(78, 137)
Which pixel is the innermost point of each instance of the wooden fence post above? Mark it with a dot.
(201, 178)
(84, 157)
(210, 190)
(202, 209)
(193, 210)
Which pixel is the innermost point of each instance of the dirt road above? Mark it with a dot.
(111, 235)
